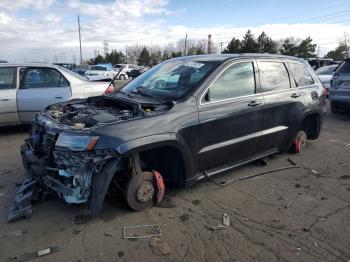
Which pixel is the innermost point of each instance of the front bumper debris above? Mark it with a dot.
(76, 177)
(22, 207)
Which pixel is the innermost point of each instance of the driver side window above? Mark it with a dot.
(237, 80)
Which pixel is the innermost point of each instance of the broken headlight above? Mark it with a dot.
(76, 143)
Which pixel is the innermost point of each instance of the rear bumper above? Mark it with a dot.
(340, 99)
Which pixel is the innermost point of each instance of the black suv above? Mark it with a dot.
(183, 118)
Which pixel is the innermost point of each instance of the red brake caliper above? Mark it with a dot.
(297, 145)
(159, 183)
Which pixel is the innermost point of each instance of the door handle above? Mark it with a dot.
(254, 103)
(295, 95)
(58, 97)
(5, 99)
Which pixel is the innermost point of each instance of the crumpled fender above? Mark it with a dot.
(159, 140)
(100, 184)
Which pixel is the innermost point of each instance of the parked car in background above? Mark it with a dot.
(100, 72)
(125, 70)
(26, 89)
(210, 114)
(136, 72)
(339, 91)
(325, 74)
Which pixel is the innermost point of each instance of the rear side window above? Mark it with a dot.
(273, 76)
(42, 78)
(237, 80)
(7, 78)
(344, 68)
(302, 77)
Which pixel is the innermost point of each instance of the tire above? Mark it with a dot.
(122, 77)
(136, 186)
(334, 107)
(301, 138)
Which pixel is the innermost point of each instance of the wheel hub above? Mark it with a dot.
(302, 139)
(145, 192)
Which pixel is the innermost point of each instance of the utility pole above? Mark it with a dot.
(126, 54)
(318, 52)
(186, 44)
(221, 43)
(81, 56)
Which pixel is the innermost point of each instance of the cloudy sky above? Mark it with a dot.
(40, 30)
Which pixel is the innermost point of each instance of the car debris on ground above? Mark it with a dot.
(141, 231)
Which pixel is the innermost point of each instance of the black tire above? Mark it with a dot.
(145, 179)
(122, 77)
(302, 138)
(334, 107)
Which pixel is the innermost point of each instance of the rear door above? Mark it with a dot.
(40, 87)
(8, 90)
(283, 103)
(229, 117)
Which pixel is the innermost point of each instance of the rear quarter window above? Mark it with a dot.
(301, 75)
(344, 68)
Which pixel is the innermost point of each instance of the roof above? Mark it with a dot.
(29, 64)
(223, 57)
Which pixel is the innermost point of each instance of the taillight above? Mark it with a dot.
(109, 89)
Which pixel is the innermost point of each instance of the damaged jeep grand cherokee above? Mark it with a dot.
(182, 120)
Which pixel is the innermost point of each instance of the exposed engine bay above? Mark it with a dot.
(101, 110)
(62, 161)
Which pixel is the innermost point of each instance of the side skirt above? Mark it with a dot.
(226, 168)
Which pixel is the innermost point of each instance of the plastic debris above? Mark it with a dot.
(148, 231)
(226, 220)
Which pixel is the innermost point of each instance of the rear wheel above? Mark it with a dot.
(299, 142)
(334, 107)
(140, 191)
(122, 77)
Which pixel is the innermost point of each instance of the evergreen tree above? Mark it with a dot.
(289, 47)
(144, 58)
(306, 49)
(233, 47)
(339, 53)
(248, 44)
(266, 44)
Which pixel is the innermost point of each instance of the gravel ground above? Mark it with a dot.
(294, 215)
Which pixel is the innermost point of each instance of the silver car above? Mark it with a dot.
(26, 89)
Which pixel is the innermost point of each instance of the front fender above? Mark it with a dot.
(154, 141)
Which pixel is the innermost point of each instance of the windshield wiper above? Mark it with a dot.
(141, 90)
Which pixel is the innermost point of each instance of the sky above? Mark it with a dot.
(46, 30)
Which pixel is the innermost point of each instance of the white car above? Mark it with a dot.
(26, 89)
(100, 72)
(125, 69)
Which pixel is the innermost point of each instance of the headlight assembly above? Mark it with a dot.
(76, 143)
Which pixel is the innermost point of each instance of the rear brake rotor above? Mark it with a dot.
(145, 192)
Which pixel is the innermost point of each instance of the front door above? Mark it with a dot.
(8, 105)
(39, 88)
(229, 117)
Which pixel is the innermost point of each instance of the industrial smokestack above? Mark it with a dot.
(209, 44)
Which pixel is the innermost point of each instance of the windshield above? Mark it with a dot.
(171, 80)
(326, 70)
(73, 74)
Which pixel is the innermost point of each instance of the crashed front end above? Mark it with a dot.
(62, 160)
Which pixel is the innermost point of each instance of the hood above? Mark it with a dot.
(98, 111)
